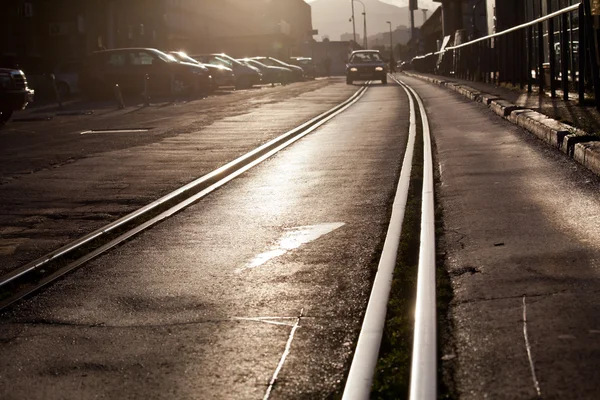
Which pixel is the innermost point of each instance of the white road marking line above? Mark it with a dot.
(115, 131)
(286, 352)
(536, 384)
(265, 321)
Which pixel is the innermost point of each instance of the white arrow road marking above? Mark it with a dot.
(294, 238)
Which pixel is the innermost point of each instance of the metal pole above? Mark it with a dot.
(552, 57)
(541, 72)
(353, 24)
(391, 44)
(366, 43)
(564, 56)
(582, 55)
(591, 50)
(412, 24)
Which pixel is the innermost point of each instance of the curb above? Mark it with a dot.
(574, 142)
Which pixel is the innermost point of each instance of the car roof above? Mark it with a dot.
(365, 51)
(125, 49)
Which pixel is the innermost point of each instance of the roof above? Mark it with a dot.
(365, 51)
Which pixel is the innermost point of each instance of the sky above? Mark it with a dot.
(403, 3)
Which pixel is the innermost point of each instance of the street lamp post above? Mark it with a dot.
(391, 43)
(353, 24)
(365, 23)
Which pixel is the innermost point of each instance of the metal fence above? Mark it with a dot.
(555, 52)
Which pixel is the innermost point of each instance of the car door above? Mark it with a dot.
(114, 70)
(144, 64)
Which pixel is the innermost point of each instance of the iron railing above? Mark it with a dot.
(548, 53)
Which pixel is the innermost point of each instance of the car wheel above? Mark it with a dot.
(179, 86)
(5, 116)
(349, 81)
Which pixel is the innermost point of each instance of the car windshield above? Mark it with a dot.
(181, 56)
(230, 61)
(256, 63)
(361, 58)
(279, 63)
(165, 57)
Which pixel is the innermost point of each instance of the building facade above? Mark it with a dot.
(38, 34)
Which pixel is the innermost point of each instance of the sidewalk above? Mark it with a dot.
(573, 129)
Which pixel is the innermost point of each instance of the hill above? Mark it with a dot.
(332, 17)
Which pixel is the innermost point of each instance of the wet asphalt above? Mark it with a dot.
(57, 184)
(203, 305)
(522, 247)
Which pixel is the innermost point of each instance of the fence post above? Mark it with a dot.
(591, 51)
(529, 58)
(582, 55)
(56, 91)
(146, 90)
(119, 97)
(540, 73)
(552, 57)
(564, 56)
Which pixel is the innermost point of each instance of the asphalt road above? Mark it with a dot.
(57, 184)
(203, 305)
(522, 246)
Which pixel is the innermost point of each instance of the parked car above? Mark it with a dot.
(67, 78)
(134, 68)
(271, 75)
(307, 64)
(245, 76)
(221, 75)
(365, 65)
(14, 93)
(297, 72)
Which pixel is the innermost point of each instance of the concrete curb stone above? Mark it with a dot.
(502, 107)
(546, 129)
(488, 98)
(574, 142)
(588, 154)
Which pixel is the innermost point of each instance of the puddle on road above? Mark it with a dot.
(293, 239)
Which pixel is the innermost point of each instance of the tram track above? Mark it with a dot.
(423, 378)
(37, 274)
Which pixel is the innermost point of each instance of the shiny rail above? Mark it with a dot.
(362, 369)
(143, 218)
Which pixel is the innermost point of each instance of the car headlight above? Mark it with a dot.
(379, 69)
(353, 69)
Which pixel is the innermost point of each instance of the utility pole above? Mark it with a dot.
(365, 22)
(391, 43)
(412, 5)
(366, 43)
(353, 24)
(424, 14)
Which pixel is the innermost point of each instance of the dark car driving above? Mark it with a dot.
(135, 68)
(366, 65)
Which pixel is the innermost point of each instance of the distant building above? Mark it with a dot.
(37, 34)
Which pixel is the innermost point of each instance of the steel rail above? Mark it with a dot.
(362, 369)
(230, 171)
(423, 381)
